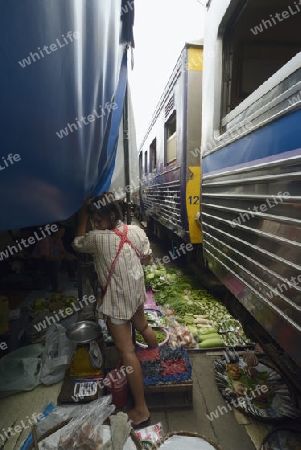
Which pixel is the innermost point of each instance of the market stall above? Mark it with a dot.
(194, 318)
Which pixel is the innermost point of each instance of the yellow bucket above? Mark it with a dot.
(80, 365)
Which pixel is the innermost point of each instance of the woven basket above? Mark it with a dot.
(292, 428)
(185, 433)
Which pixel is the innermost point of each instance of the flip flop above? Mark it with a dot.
(143, 424)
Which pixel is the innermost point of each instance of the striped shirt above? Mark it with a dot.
(126, 290)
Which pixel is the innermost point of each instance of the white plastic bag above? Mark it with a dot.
(57, 354)
(20, 370)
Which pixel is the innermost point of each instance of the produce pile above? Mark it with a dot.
(200, 317)
(253, 387)
(50, 304)
(154, 317)
(179, 334)
(160, 335)
(164, 364)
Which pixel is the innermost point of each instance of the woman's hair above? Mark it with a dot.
(102, 207)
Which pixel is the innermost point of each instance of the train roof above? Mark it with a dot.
(197, 44)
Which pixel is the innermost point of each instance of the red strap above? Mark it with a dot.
(123, 239)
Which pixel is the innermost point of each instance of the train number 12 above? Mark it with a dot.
(194, 200)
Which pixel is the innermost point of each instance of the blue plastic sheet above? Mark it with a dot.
(29, 440)
(63, 77)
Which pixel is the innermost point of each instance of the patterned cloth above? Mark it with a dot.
(126, 291)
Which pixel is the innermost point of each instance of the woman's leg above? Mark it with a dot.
(124, 344)
(140, 323)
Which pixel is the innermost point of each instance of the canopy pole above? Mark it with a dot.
(126, 155)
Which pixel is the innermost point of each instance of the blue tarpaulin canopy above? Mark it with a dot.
(63, 80)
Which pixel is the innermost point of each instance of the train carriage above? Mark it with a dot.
(169, 167)
(251, 161)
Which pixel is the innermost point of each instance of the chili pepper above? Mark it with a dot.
(173, 367)
(148, 354)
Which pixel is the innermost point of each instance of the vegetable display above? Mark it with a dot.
(194, 309)
(160, 335)
(169, 365)
(255, 389)
(50, 304)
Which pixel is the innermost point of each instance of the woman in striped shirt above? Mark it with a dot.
(119, 251)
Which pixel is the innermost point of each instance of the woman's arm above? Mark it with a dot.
(83, 242)
(83, 217)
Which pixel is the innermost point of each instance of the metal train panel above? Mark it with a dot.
(170, 172)
(251, 181)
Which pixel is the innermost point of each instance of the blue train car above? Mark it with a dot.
(168, 163)
(251, 162)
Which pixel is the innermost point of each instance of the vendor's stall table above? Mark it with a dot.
(167, 372)
(169, 396)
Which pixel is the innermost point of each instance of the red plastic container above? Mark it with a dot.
(117, 385)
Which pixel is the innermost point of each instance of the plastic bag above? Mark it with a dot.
(57, 354)
(20, 370)
(151, 434)
(85, 431)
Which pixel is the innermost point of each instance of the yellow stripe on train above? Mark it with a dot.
(193, 204)
(195, 59)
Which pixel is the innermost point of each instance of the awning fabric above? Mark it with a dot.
(63, 78)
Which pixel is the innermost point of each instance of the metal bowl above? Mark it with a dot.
(83, 332)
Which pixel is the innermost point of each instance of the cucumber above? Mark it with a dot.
(215, 342)
(207, 330)
(204, 337)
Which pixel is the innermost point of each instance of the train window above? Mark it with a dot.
(261, 38)
(171, 138)
(153, 155)
(146, 162)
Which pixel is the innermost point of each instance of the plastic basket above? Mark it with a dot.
(162, 343)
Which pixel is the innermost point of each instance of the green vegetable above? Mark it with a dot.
(193, 330)
(160, 335)
(150, 276)
(204, 337)
(204, 331)
(208, 343)
(183, 294)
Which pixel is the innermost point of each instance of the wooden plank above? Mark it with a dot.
(169, 387)
(241, 418)
(170, 408)
(169, 401)
(257, 432)
(35, 438)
